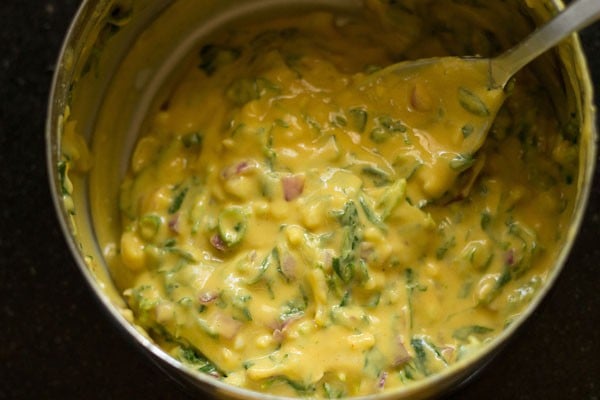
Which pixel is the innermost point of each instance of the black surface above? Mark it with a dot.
(57, 343)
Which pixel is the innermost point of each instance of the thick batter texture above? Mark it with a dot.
(298, 224)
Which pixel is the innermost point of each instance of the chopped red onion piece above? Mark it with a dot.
(288, 266)
(382, 379)
(402, 356)
(235, 170)
(218, 242)
(226, 326)
(241, 167)
(208, 297)
(292, 186)
(509, 257)
(174, 223)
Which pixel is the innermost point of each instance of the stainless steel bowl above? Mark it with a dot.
(118, 57)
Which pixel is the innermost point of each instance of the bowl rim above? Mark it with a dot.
(463, 369)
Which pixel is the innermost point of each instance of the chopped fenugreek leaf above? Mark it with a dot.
(472, 103)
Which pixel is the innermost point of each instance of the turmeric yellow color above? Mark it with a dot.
(298, 223)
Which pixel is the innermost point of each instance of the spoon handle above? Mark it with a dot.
(577, 16)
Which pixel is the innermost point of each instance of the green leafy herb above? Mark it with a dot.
(441, 251)
(190, 356)
(293, 309)
(412, 284)
(370, 213)
(373, 301)
(379, 135)
(349, 217)
(338, 119)
(281, 123)
(466, 331)
(486, 220)
(177, 201)
(418, 345)
(300, 387)
(467, 130)
(240, 304)
(358, 119)
(504, 278)
(344, 270)
(346, 299)
(390, 124)
(406, 165)
(410, 287)
(391, 198)
(379, 176)
(345, 265)
(332, 392)
(192, 140)
(385, 127)
(269, 152)
(271, 259)
(313, 123)
(66, 187)
(426, 355)
(472, 103)
(349, 220)
(244, 90)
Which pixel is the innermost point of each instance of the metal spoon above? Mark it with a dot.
(453, 101)
(576, 16)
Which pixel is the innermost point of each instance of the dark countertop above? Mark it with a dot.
(57, 342)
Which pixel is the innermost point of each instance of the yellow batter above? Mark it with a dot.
(298, 224)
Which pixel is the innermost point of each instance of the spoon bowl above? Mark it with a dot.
(450, 103)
